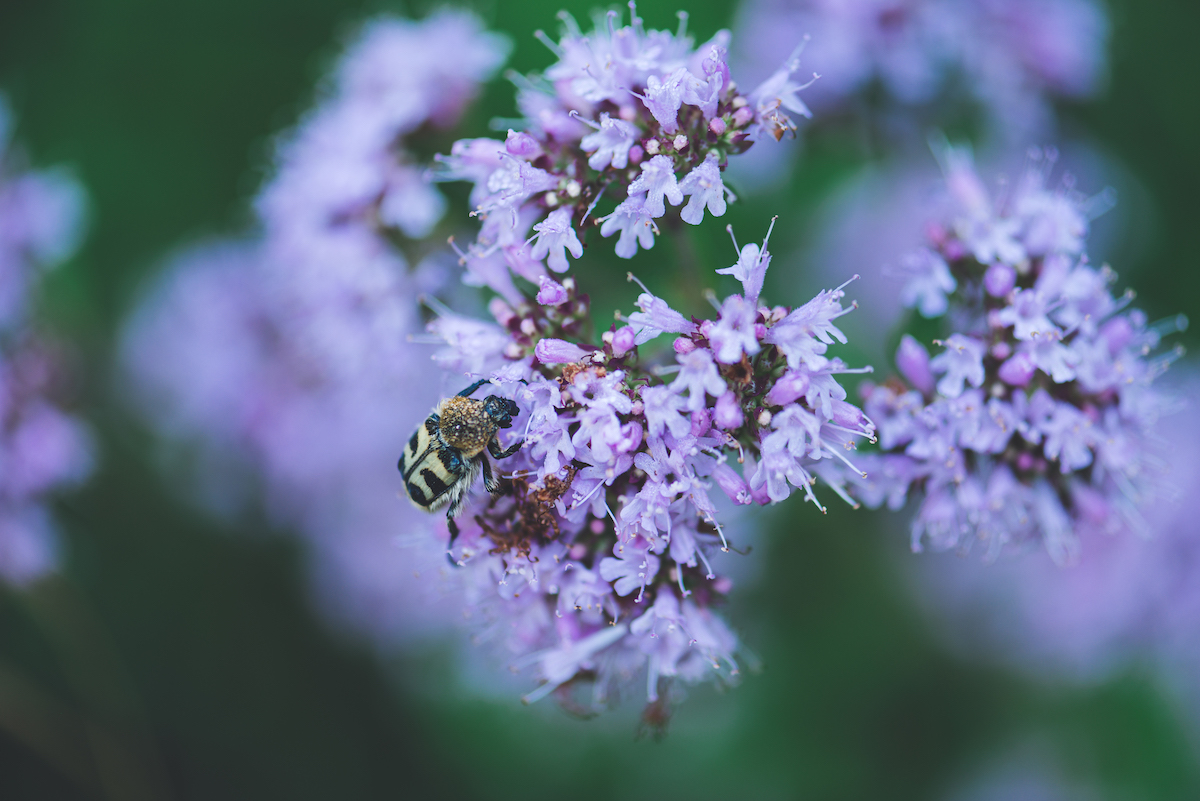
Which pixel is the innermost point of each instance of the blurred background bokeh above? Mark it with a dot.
(179, 654)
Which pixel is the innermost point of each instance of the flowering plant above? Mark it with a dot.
(1034, 420)
(593, 560)
(637, 115)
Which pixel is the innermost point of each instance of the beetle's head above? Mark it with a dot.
(501, 410)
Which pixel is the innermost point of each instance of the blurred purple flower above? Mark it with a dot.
(43, 449)
(1014, 457)
(1011, 58)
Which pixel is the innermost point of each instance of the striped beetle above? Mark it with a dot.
(445, 454)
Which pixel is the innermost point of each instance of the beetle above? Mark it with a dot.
(446, 453)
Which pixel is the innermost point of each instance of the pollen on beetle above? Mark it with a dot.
(465, 425)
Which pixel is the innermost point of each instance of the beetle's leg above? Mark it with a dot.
(494, 448)
(450, 524)
(466, 393)
(489, 481)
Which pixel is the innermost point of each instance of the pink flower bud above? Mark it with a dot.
(1018, 371)
(558, 351)
(999, 280)
(501, 311)
(732, 484)
(684, 345)
(913, 362)
(624, 340)
(728, 413)
(791, 385)
(551, 293)
(717, 126)
(522, 145)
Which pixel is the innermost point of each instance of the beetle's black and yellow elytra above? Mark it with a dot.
(446, 453)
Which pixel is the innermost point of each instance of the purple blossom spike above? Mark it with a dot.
(1046, 398)
(654, 117)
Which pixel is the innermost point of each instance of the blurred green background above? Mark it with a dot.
(178, 659)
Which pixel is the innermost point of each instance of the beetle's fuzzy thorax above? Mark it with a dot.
(465, 425)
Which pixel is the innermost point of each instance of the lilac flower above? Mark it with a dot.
(550, 292)
(912, 360)
(634, 222)
(665, 97)
(1017, 458)
(1026, 313)
(777, 92)
(41, 222)
(609, 144)
(663, 410)
(556, 236)
(656, 318)
(633, 569)
(558, 351)
(733, 334)
(751, 266)
(698, 375)
(657, 180)
(705, 187)
(652, 101)
(961, 361)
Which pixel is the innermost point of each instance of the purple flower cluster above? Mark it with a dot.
(1127, 599)
(593, 562)
(1032, 421)
(42, 449)
(1010, 56)
(641, 118)
(344, 179)
(288, 354)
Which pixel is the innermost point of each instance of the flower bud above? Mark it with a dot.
(913, 362)
(1018, 371)
(522, 145)
(558, 351)
(728, 414)
(623, 341)
(550, 292)
(999, 280)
